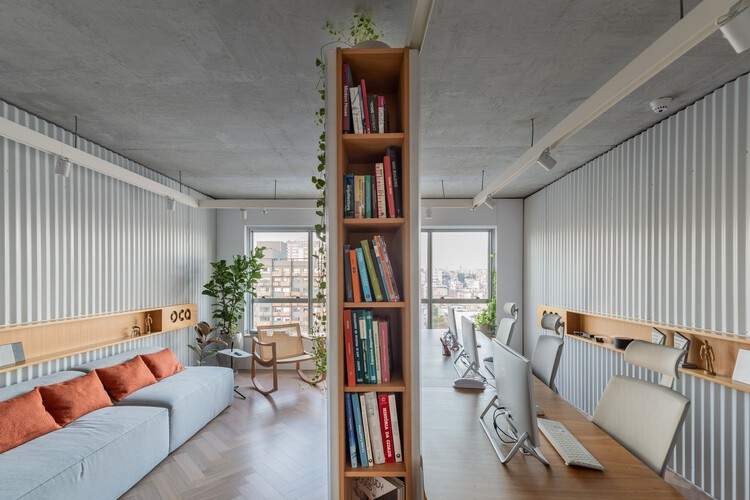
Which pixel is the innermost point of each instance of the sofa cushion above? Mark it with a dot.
(14, 390)
(101, 455)
(126, 378)
(22, 419)
(162, 364)
(193, 397)
(69, 400)
(115, 360)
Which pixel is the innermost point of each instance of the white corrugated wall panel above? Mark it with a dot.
(92, 245)
(656, 229)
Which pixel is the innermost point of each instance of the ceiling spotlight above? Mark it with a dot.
(264, 211)
(546, 161)
(244, 213)
(62, 166)
(735, 26)
(171, 204)
(660, 105)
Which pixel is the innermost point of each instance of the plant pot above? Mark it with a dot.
(487, 330)
(372, 44)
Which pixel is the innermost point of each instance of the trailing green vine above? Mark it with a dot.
(361, 29)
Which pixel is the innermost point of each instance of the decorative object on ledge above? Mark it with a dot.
(658, 337)
(148, 323)
(135, 331)
(708, 357)
(11, 354)
(682, 342)
(741, 371)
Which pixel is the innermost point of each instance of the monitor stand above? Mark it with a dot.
(522, 442)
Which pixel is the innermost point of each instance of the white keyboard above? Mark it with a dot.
(569, 448)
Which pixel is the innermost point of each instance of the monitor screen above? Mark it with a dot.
(469, 340)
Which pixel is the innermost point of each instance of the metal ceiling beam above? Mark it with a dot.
(695, 27)
(36, 140)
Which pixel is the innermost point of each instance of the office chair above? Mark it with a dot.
(643, 417)
(504, 332)
(548, 350)
(470, 377)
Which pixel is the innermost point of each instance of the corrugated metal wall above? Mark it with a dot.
(657, 229)
(92, 245)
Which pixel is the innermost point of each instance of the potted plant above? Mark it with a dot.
(207, 343)
(486, 320)
(229, 286)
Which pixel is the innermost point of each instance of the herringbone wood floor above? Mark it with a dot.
(262, 448)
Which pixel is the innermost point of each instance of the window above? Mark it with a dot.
(285, 291)
(454, 271)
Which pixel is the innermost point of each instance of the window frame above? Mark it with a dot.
(430, 300)
(309, 300)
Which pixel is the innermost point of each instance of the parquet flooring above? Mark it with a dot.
(262, 448)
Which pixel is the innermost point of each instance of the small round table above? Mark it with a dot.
(235, 354)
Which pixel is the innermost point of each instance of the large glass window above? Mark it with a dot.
(454, 271)
(285, 291)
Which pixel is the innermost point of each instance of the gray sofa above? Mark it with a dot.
(104, 453)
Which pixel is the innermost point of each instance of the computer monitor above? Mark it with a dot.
(452, 329)
(469, 341)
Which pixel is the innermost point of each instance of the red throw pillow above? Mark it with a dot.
(162, 364)
(125, 378)
(22, 419)
(69, 400)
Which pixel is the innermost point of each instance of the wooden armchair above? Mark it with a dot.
(275, 345)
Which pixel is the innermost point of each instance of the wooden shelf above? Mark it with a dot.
(374, 305)
(395, 385)
(374, 224)
(359, 146)
(383, 470)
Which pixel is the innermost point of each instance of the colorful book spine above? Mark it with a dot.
(380, 189)
(351, 376)
(356, 103)
(385, 351)
(359, 363)
(372, 274)
(374, 196)
(388, 268)
(366, 429)
(373, 109)
(372, 355)
(388, 171)
(356, 290)
(363, 349)
(366, 113)
(360, 430)
(373, 421)
(385, 427)
(363, 275)
(393, 155)
(394, 427)
(348, 290)
(349, 195)
(381, 114)
(368, 196)
(347, 119)
(379, 267)
(351, 433)
(378, 353)
(359, 196)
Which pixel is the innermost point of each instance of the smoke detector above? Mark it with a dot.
(660, 105)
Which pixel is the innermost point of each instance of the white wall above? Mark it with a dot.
(657, 230)
(91, 245)
(507, 221)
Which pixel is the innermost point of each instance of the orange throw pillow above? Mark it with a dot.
(22, 419)
(125, 378)
(69, 400)
(162, 364)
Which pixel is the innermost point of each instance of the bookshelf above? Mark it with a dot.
(388, 72)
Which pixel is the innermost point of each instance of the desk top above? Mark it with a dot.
(459, 462)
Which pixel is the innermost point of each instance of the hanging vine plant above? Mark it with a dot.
(360, 29)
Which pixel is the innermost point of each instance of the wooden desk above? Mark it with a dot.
(459, 462)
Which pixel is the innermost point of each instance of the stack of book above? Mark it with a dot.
(377, 488)
(377, 195)
(368, 274)
(363, 113)
(372, 431)
(367, 341)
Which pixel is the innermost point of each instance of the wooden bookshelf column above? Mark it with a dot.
(387, 73)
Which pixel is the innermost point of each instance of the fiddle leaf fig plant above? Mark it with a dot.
(229, 286)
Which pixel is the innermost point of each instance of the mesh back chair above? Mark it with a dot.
(504, 333)
(548, 350)
(643, 417)
(275, 345)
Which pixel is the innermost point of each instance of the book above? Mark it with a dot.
(366, 429)
(351, 435)
(356, 291)
(393, 412)
(366, 293)
(372, 274)
(356, 103)
(381, 114)
(371, 353)
(380, 189)
(378, 353)
(388, 174)
(368, 196)
(379, 268)
(357, 343)
(387, 268)
(347, 119)
(377, 488)
(385, 351)
(359, 429)
(393, 155)
(351, 375)
(374, 197)
(373, 421)
(349, 195)
(385, 427)
(365, 111)
(348, 289)
(373, 110)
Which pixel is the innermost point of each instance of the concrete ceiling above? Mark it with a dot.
(225, 90)
(488, 67)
